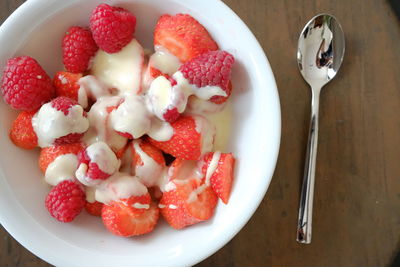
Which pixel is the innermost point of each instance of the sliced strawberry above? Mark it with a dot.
(221, 176)
(150, 150)
(154, 73)
(22, 133)
(66, 84)
(183, 36)
(122, 220)
(174, 210)
(148, 162)
(191, 202)
(139, 203)
(94, 208)
(49, 154)
(189, 140)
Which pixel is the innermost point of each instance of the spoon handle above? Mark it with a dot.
(304, 226)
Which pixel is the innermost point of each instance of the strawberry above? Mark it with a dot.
(150, 150)
(22, 133)
(49, 154)
(94, 208)
(122, 220)
(221, 176)
(147, 161)
(191, 202)
(193, 136)
(66, 84)
(183, 36)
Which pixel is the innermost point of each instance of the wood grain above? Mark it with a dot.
(357, 201)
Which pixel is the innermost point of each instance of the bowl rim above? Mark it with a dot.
(22, 235)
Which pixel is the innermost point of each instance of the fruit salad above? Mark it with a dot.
(126, 133)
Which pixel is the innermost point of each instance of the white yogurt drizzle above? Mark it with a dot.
(61, 169)
(50, 123)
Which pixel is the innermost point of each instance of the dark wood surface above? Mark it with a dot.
(357, 201)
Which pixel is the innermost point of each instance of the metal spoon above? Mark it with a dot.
(319, 56)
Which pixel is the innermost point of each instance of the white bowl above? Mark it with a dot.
(36, 29)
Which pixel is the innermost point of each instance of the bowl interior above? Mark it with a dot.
(254, 141)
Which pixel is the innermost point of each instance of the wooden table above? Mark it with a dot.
(357, 201)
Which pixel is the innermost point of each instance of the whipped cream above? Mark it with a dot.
(50, 123)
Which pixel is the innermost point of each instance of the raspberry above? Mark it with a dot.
(93, 171)
(78, 48)
(63, 104)
(112, 27)
(210, 69)
(65, 201)
(25, 85)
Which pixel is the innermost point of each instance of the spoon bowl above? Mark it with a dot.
(319, 56)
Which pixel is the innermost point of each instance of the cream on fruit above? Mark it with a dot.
(50, 123)
(149, 172)
(100, 154)
(122, 70)
(207, 131)
(91, 87)
(164, 61)
(131, 117)
(119, 186)
(100, 125)
(163, 96)
(62, 168)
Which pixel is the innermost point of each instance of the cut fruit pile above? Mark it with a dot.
(123, 134)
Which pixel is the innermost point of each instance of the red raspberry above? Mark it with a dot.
(212, 68)
(63, 104)
(78, 48)
(25, 85)
(93, 171)
(112, 27)
(65, 201)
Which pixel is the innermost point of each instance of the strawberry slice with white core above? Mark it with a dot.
(60, 121)
(131, 117)
(121, 70)
(97, 162)
(148, 163)
(119, 186)
(100, 125)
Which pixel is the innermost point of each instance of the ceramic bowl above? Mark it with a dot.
(36, 29)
